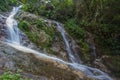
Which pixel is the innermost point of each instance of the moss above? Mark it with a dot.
(11, 76)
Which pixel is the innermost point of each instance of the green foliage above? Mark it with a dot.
(40, 24)
(14, 2)
(5, 4)
(101, 18)
(24, 25)
(55, 9)
(27, 7)
(48, 30)
(108, 36)
(11, 76)
(33, 6)
(63, 9)
(74, 29)
(23, 1)
(38, 32)
(78, 34)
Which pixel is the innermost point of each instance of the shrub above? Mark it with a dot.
(24, 25)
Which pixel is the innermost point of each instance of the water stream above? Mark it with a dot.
(14, 41)
(12, 26)
(69, 51)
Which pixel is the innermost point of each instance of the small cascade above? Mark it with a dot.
(14, 41)
(75, 63)
(12, 27)
(94, 51)
(90, 41)
(68, 48)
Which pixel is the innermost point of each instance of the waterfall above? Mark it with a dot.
(94, 50)
(12, 27)
(14, 41)
(69, 51)
(88, 71)
(75, 63)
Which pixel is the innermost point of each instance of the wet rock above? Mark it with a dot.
(46, 69)
(76, 50)
(35, 77)
(99, 64)
(10, 66)
(3, 33)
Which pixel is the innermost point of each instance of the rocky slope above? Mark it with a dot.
(43, 40)
(49, 39)
(34, 66)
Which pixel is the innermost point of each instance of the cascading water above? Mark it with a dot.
(69, 51)
(75, 63)
(94, 51)
(12, 26)
(14, 38)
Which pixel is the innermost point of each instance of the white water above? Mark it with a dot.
(2, 16)
(91, 72)
(69, 51)
(12, 27)
(75, 63)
